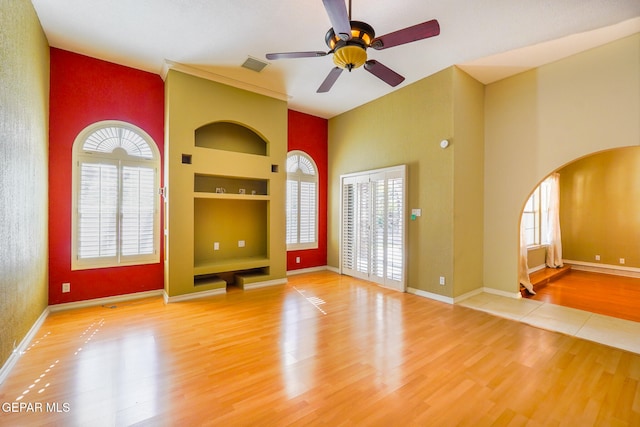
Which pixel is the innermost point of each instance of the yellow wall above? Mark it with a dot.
(600, 208)
(24, 109)
(468, 190)
(217, 220)
(406, 127)
(191, 102)
(540, 120)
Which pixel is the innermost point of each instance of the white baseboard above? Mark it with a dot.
(193, 295)
(594, 267)
(463, 297)
(430, 295)
(104, 301)
(22, 347)
(307, 270)
(514, 295)
(333, 269)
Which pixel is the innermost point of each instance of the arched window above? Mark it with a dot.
(302, 201)
(116, 206)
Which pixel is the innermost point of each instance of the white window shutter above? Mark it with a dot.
(98, 210)
(292, 212)
(373, 226)
(348, 226)
(395, 228)
(301, 202)
(307, 212)
(138, 193)
(116, 206)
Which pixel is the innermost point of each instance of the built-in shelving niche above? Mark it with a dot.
(223, 185)
(230, 237)
(229, 136)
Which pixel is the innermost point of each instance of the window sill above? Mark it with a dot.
(291, 248)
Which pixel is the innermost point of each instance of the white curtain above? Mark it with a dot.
(523, 267)
(553, 237)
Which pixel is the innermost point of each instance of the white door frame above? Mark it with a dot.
(399, 171)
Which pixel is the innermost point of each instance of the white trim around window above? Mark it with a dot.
(301, 201)
(115, 198)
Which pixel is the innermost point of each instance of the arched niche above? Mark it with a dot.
(230, 136)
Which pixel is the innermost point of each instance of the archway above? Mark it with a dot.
(599, 205)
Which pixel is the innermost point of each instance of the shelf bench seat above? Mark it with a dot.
(229, 265)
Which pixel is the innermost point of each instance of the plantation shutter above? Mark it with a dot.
(116, 216)
(292, 211)
(301, 202)
(98, 210)
(138, 213)
(363, 226)
(373, 226)
(308, 211)
(395, 228)
(348, 227)
(378, 230)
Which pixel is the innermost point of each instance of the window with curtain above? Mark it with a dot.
(301, 201)
(116, 215)
(535, 216)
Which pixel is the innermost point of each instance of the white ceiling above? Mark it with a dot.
(490, 39)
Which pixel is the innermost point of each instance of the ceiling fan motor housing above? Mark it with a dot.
(351, 53)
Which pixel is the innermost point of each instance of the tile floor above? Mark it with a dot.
(619, 333)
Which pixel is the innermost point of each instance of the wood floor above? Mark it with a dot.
(615, 296)
(323, 350)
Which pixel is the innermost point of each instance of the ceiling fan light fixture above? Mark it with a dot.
(361, 34)
(350, 57)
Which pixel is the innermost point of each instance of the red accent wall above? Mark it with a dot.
(309, 134)
(83, 91)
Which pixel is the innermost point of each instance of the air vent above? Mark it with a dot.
(254, 64)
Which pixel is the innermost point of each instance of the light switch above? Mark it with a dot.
(241, 243)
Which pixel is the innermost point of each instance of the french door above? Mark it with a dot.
(373, 226)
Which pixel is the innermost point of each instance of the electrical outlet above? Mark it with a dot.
(66, 287)
(621, 260)
(442, 281)
(216, 246)
(241, 243)
(297, 260)
(597, 257)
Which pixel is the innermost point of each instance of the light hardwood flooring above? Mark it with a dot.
(322, 350)
(616, 296)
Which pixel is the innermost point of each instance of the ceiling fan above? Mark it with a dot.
(348, 42)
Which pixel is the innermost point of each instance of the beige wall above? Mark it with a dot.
(537, 257)
(468, 183)
(600, 208)
(540, 120)
(24, 107)
(406, 127)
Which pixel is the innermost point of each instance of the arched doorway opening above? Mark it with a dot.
(599, 217)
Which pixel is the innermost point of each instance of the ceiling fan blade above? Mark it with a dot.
(407, 35)
(291, 55)
(330, 80)
(383, 72)
(337, 11)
